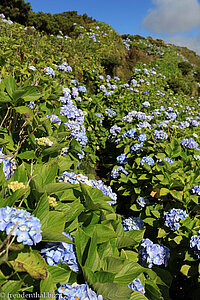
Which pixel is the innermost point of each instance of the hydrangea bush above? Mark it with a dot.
(111, 159)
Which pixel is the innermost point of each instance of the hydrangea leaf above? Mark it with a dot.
(32, 263)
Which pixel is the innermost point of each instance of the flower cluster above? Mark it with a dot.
(49, 71)
(195, 244)
(133, 223)
(115, 173)
(65, 67)
(8, 164)
(136, 285)
(73, 178)
(153, 254)
(54, 118)
(32, 68)
(137, 147)
(142, 201)
(121, 159)
(15, 185)
(43, 141)
(189, 143)
(196, 190)
(131, 133)
(61, 252)
(27, 227)
(146, 104)
(109, 112)
(52, 201)
(160, 161)
(75, 118)
(173, 216)
(159, 134)
(148, 160)
(71, 291)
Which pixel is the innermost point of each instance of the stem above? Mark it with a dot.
(5, 116)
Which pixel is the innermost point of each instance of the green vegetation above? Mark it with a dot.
(99, 139)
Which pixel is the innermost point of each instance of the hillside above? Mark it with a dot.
(100, 160)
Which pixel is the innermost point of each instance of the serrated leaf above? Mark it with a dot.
(32, 263)
(111, 291)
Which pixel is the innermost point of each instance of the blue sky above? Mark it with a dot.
(176, 21)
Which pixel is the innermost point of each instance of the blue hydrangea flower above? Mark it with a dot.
(146, 104)
(31, 104)
(75, 122)
(72, 291)
(137, 147)
(8, 164)
(136, 285)
(196, 190)
(173, 216)
(159, 134)
(61, 252)
(54, 118)
(142, 201)
(116, 172)
(148, 160)
(131, 133)
(49, 71)
(73, 178)
(160, 161)
(153, 254)
(114, 130)
(111, 113)
(195, 244)
(189, 143)
(122, 159)
(74, 82)
(32, 68)
(142, 138)
(133, 223)
(82, 89)
(27, 230)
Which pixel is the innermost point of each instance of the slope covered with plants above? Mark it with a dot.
(100, 182)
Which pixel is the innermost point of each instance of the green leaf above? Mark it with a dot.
(32, 263)
(10, 85)
(42, 210)
(94, 198)
(59, 275)
(130, 238)
(10, 287)
(164, 191)
(49, 235)
(5, 98)
(27, 111)
(17, 94)
(31, 94)
(93, 261)
(176, 195)
(27, 155)
(152, 290)
(137, 296)
(3, 141)
(57, 187)
(71, 210)
(81, 241)
(47, 288)
(111, 291)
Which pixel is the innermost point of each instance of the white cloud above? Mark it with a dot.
(172, 16)
(192, 43)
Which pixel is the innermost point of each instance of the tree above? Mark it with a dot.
(16, 10)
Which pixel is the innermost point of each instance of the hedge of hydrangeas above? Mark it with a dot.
(100, 179)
